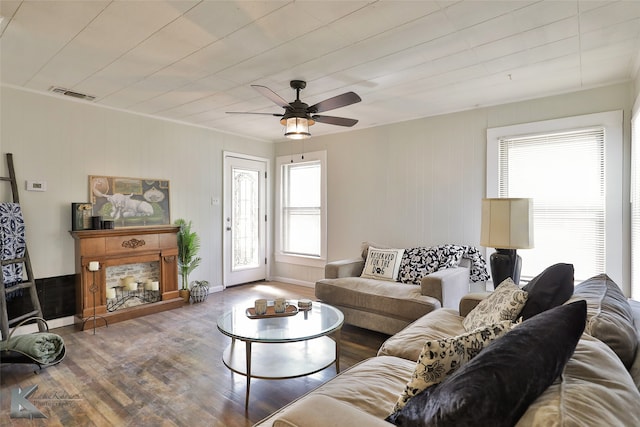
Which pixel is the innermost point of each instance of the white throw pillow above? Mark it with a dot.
(504, 303)
(441, 357)
(382, 263)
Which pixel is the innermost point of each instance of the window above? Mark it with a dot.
(569, 208)
(635, 205)
(301, 222)
(572, 168)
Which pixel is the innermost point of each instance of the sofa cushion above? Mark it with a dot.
(408, 342)
(441, 357)
(504, 303)
(319, 410)
(552, 287)
(404, 302)
(370, 386)
(382, 264)
(635, 367)
(497, 386)
(594, 390)
(609, 316)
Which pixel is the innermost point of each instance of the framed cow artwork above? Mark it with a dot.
(130, 202)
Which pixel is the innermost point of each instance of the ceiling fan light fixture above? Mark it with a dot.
(297, 128)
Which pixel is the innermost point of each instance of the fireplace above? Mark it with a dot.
(129, 272)
(129, 285)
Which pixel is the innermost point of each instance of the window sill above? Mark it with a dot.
(301, 260)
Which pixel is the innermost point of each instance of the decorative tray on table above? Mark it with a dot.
(290, 310)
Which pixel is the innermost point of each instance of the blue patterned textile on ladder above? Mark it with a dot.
(12, 238)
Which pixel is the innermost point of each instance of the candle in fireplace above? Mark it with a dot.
(111, 293)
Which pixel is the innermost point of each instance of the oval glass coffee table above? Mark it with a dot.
(284, 346)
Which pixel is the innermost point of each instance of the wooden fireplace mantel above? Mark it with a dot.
(119, 246)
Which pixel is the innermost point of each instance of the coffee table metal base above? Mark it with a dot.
(281, 360)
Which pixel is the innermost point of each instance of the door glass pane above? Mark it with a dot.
(246, 225)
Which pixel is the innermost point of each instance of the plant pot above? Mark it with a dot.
(199, 291)
(184, 294)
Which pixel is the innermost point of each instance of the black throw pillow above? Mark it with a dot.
(551, 288)
(497, 386)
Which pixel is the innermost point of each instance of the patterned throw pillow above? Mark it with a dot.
(504, 303)
(440, 358)
(382, 264)
(417, 263)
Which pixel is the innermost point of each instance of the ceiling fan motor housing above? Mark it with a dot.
(298, 84)
(297, 109)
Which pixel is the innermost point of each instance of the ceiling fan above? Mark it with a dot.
(298, 116)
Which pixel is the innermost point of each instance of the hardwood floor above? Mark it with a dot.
(165, 369)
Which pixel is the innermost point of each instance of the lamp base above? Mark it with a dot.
(505, 263)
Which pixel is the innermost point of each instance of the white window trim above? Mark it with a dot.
(635, 201)
(612, 121)
(280, 256)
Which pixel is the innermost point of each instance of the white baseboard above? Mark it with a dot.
(53, 323)
(293, 281)
(216, 288)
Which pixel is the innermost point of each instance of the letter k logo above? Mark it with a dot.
(21, 407)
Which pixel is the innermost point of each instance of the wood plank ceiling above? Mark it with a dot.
(192, 61)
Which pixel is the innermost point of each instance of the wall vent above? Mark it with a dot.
(67, 92)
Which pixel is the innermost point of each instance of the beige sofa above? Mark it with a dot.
(595, 387)
(387, 306)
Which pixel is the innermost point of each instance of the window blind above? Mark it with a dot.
(301, 209)
(564, 173)
(635, 205)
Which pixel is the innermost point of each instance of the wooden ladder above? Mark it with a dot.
(30, 284)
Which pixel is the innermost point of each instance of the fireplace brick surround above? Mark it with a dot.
(119, 247)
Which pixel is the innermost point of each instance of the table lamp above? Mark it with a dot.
(507, 225)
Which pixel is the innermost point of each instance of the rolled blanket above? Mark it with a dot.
(42, 347)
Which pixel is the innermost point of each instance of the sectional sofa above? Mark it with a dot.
(573, 364)
(367, 289)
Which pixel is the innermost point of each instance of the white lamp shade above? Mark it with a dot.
(507, 223)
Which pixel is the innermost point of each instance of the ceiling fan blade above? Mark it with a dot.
(248, 112)
(343, 100)
(330, 120)
(274, 97)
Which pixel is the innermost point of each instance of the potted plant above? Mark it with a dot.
(199, 290)
(188, 247)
